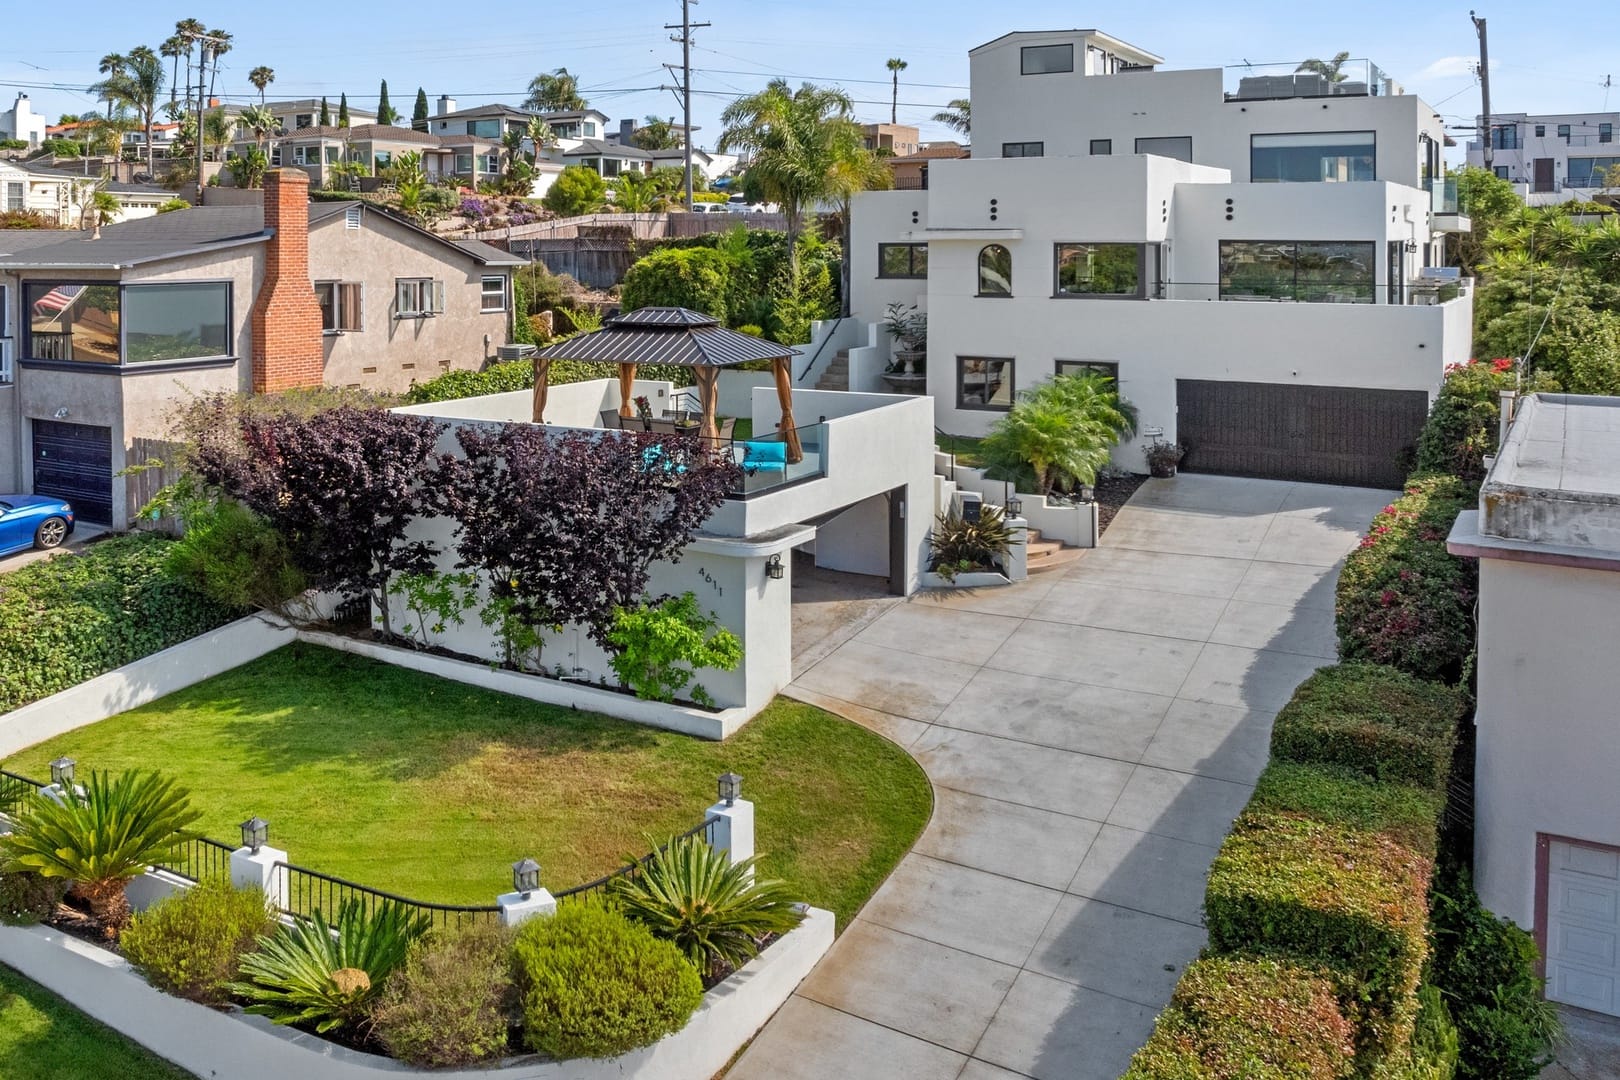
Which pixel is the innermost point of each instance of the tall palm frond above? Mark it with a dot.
(261, 77)
(1328, 69)
(138, 84)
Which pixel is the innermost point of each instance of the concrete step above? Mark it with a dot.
(1057, 560)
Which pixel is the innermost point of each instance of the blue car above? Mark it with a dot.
(33, 521)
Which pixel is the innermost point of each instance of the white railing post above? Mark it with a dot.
(527, 900)
(732, 817)
(257, 869)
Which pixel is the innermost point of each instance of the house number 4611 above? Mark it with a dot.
(713, 583)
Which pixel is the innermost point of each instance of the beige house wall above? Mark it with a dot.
(390, 353)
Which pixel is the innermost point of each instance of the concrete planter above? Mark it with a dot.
(704, 725)
(931, 580)
(243, 1047)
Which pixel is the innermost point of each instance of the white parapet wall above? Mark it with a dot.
(242, 1047)
(1073, 523)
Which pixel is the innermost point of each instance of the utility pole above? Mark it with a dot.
(686, 26)
(1484, 89)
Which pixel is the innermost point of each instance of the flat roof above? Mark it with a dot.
(1097, 35)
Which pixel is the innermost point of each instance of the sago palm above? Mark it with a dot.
(715, 912)
(328, 974)
(100, 840)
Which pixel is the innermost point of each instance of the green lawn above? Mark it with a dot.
(433, 789)
(42, 1037)
(965, 447)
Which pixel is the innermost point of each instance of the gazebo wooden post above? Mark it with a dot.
(708, 381)
(784, 395)
(627, 378)
(542, 373)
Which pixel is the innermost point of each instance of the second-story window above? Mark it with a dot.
(1563, 133)
(1023, 149)
(1312, 157)
(1046, 59)
(995, 271)
(1173, 146)
(902, 260)
(1102, 147)
(1605, 133)
(1110, 271)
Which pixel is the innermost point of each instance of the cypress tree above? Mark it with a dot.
(419, 115)
(343, 110)
(385, 111)
(326, 114)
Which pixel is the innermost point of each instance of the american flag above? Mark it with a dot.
(58, 299)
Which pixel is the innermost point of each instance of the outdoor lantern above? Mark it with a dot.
(1088, 493)
(1411, 246)
(525, 877)
(255, 833)
(1015, 507)
(730, 788)
(773, 568)
(62, 771)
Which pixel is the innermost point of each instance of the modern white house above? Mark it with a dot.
(1553, 157)
(1547, 803)
(1244, 252)
(22, 123)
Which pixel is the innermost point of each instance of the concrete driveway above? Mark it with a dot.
(1090, 738)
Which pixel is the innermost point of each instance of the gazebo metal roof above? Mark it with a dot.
(667, 335)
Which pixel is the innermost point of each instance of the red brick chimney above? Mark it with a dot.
(286, 322)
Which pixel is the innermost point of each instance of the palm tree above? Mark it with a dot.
(217, 48)
(656, 133)
(217, 132)
(896, 66)
(554, 91)
(854, 169)
(186, 33)
(794, 139)
(1328, 69)
(258, 119)
(138, 85)
(958, 116)
(261, 77)
(1059, 432)
(635, 193)
(112, 64)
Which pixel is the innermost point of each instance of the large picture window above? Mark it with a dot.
(995, 271)
(1308, 271)
(984, 383)
(1313, 157)
(72, 322)
(1591, 172)
(1171, 146)
(105, 323)
(1047, 59)
(902, 260)
(1105, 270)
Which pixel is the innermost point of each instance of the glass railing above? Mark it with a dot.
(765, 460)
(1269, 82)
(1445, 198)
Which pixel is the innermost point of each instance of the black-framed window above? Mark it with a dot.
(1501, 171)
(103, 322)
(984, 382)
(1541, 131)
(1023, 149)
(1106, 368)
(1563, 133)
(1506, 136)
(1308, 271)
(1110, 271)
(995, 271)
(1589, 172)
(1313, 157)
(492, 293)
(1102, 147)
(1046, 59)
(902, 260)
(1170, 146)
(1605, 133)
(417, 298)
(342, 306)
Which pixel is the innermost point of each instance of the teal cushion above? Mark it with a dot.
(765, 453)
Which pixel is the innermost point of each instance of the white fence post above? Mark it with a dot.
(732, 830)
(527, 900)
(254, 865)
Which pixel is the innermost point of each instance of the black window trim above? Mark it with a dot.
(124, 366)
(1136, 147)
(1112, 365)
(1141, 270)
(1012, 370)
(1258, 134)
(1107, 148)
(1372, 283)
(978, 270)
(911, 262)
(1025, 144)
(1023, 55)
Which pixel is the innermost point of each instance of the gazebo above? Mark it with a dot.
(680, 337)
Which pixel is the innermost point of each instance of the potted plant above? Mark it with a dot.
(1163, 457)
(909, 328)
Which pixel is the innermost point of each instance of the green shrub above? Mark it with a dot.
(510, 375)
(1403, 600)
(695, 278)
(1485, 968)
(1327, 896)
(234, 557)
(324, 975)
(1435, 1046)
(1466, 416)
(452, 1002)
(26, 899)
(593, 984)
(579, 189)
(192, 943)
(74, 617)
(657, 646)
(1248, 1019)
(1372, 718)
(1345, 796)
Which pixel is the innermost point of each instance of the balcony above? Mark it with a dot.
(1273, 82)
(1447, 205)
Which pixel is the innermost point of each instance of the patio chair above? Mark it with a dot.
(611, 419)
(662, 427)
(760, 456)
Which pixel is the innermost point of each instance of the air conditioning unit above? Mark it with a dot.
(517, 351)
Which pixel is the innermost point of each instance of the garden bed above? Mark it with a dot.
(1112, 493)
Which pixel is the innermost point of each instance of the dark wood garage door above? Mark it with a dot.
(1320, 434)
(74, 462)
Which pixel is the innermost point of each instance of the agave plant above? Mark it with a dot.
(327, 975)
(100, 840)
(711, 909)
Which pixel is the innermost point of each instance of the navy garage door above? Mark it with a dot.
(1318, 434)
(74, 462)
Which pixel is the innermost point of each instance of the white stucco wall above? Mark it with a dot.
(1548, 752)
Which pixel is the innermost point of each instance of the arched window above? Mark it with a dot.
(995, 271)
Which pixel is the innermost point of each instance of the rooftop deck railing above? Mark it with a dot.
(1267, 82)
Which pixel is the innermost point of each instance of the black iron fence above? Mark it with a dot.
(704, 828)
(13, 788)
(305, 891)
(197, 858)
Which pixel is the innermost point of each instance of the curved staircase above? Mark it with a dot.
(1045, 555)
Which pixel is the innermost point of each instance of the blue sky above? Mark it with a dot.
(1540, 62)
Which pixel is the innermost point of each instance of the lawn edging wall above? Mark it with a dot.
(142, 681)
(210, 1043)
(704, 725)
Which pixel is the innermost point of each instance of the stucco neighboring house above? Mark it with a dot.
(911, 172)
(1547, 750)
(1552, 157)
(1248, 264)
(316, 150)
(609, 159)
(59, 195)
(22, 123)
(900, 140)
(100, 337)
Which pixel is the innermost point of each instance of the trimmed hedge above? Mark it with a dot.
(1375, 719)
(1328, 896)
(1334, 793)
(73, 617)
(1248, 1019)
(1403, 600)
(510, 375)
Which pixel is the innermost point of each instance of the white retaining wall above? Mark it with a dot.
(241, 1047)
(1075, 524)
